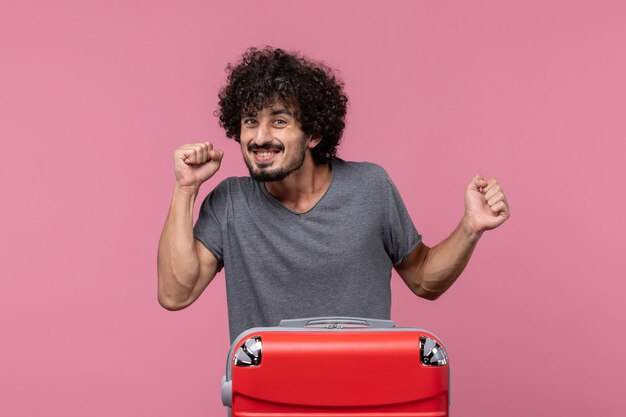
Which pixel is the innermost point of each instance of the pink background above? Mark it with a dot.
(96, 95)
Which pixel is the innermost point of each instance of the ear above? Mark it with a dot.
(314, 141)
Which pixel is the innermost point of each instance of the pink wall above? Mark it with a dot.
(95, 96)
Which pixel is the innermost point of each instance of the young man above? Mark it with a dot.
(307, 234)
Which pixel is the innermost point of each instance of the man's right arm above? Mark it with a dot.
(185, 266)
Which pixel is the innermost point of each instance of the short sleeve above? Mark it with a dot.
(211, 221)
(400, 234)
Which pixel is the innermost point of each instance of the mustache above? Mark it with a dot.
(267, 147)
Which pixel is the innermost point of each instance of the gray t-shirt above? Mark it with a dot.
(333, 260)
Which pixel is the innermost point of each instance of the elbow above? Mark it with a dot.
(422, 292)
(430, 296)
(170, 305)
(171, 294)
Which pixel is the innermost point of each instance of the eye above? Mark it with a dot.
(248, 122)
(280, 122)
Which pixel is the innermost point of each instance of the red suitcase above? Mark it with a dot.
(336, 367)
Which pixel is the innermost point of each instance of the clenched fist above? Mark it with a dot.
(196, 163)
(485, 204)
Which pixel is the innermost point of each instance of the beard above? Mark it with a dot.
(267, 174)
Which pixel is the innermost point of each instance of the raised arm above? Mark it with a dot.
(429, 272)
(185, 266)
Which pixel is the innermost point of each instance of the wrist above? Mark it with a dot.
(187, 190)
(469, 229)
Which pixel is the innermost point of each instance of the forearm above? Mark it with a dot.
(178, 263)
(429, 272)
(445, 262)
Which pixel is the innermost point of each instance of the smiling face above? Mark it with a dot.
(273, 144)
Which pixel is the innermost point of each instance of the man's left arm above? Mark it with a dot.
(429, 272)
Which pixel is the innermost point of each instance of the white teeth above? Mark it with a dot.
(264, 154)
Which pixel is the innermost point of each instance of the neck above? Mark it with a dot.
(303, 188)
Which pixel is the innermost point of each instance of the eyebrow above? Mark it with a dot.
(281, 111)
(273, 113)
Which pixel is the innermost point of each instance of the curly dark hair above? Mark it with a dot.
(264, 76)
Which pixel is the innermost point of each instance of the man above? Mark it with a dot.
(307, 234)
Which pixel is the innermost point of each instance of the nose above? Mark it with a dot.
(262, 135)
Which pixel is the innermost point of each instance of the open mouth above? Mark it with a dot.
(264, 155)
